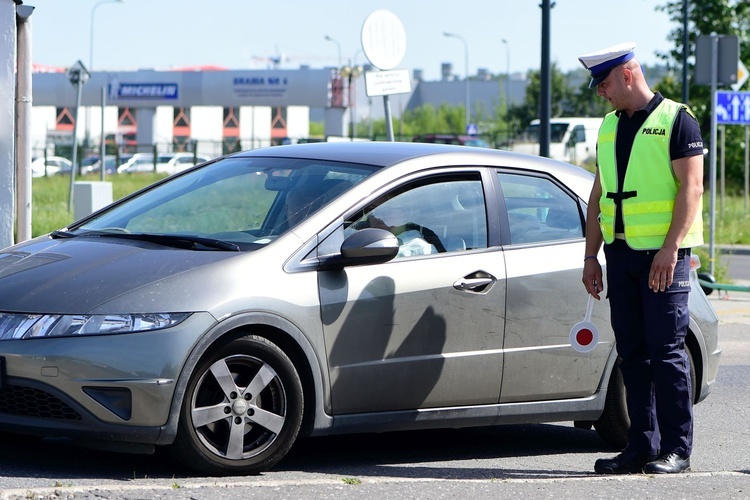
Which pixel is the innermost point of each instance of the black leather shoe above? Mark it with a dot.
(670, 463)
(627, 462)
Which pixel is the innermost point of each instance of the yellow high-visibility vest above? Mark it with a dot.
(650, 187)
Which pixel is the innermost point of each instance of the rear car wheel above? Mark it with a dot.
(614, 423)
(242, 409)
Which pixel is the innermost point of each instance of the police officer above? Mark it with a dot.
(645, 207)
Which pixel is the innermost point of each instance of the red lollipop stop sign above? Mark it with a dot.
(584, 335)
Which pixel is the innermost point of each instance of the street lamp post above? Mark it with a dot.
(78, 76)
(352, 72)
(91, 68)
(507, 90)
(91, 34)
(359, 71)
(466, 69)
(338, 45)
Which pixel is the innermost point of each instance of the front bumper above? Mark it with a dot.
(115, 387)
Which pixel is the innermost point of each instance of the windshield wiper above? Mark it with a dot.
(59, 233)
(185, 241)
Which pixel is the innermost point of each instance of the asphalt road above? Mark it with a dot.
(737, 261)
(535, 461)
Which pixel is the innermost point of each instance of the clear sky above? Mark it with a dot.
(243, 34)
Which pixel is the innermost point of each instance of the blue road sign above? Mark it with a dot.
(471, 129)
(732, 108)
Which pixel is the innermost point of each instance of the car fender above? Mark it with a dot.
(700, 357)
(321, 421)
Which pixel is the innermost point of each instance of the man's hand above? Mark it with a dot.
(662, 270)
(592, 277)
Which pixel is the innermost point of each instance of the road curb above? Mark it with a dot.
(734, 249)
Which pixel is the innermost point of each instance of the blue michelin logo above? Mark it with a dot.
(143, 91)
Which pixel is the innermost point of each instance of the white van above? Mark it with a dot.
(572, 139)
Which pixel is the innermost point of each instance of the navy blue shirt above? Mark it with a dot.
(685, 140)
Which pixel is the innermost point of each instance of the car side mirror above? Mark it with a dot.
(369, 246)
(366, 246)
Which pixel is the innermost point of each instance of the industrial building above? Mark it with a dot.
(219, 111)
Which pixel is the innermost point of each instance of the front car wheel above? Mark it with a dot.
(242, 410)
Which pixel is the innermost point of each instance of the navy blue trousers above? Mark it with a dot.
(650, 329)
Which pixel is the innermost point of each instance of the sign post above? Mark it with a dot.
(78, 76)
(384, 44)
(715, 64)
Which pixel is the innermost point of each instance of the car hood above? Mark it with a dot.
(77, 275)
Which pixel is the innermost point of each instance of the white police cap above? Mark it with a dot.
(601, 62)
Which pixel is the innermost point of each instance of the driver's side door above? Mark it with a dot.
(424, 330)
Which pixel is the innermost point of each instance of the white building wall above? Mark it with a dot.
(207, 127)
(207, 123)
(164, 126)
(255, 126)
(298, 122)
(95, 127)
(43, 118)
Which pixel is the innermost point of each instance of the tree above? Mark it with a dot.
(428, 120)
(586, 102)
(522, 114)
(725, 17)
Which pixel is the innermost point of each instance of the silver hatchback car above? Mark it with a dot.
(316, 289)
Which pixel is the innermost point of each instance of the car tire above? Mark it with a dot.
(708, 278)
(583, 424)
(223, 432)
(614, 422)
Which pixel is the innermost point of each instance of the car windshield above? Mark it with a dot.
(243, 201)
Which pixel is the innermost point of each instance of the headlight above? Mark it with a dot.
(28, 326)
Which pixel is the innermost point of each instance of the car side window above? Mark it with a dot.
(441, 215)
(539, 210)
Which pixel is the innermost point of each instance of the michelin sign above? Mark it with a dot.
(142, 91)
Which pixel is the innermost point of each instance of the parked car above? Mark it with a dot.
(463, 140)
(316, 289)
(572, 139)
(110, 165)
(88, 162)
(181, 161)
(139, 162)
(50, 166)
(162, 160)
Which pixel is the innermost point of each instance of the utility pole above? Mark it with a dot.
(545, 99)
(685, 52)
(7, 121)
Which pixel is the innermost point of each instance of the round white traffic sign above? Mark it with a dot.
(383, 39)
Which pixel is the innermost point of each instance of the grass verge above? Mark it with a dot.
(51, 195)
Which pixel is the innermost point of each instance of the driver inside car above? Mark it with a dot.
(413, 238)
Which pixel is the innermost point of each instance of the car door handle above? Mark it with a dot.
(475, 282)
